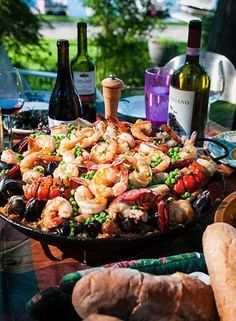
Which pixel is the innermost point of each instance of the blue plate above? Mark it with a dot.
(229, 140)
(133, 106)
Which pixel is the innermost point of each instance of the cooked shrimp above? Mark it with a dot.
(9, 156)
(111, 130)
(142, 174)
(28, 162)
(61, 129)
(87, 202)
(86, 137)
(127, 211)
(46, 142)
(104, 152)
(31, 175)
(125, 142)
(109, 181)
(189, 151)
(75, 155)
(141, 129)
(55, 212)
(66, 170)
(158, 161)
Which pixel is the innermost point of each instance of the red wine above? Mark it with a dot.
(64, 105)
(83, 69)
(11, 106)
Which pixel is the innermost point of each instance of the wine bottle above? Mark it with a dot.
(64, 105)
(83, 70)
(189, 89)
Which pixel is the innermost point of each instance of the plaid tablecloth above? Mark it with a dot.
(26, 270)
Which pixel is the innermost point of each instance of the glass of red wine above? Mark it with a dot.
(11, 99)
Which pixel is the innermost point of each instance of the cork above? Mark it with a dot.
(112, 87)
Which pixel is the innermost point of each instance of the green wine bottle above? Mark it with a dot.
(83, 70)
(64, 105)
(189, 89)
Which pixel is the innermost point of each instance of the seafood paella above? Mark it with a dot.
(104, 180)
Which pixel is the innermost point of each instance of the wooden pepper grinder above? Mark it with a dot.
(112, 87)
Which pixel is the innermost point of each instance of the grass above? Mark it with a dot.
(222, 113)
(58, 19)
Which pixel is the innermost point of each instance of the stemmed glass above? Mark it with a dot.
(11, 99)
(215, 70)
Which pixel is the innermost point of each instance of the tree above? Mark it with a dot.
(19, 29)
(121, 48)
(223, 33)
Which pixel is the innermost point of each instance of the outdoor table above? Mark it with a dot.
(28, 266)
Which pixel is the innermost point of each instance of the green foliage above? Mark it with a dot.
(121, 46)
(19, 30)
(207, 25)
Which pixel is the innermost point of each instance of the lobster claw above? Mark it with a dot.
(14, 172)
(163, 216)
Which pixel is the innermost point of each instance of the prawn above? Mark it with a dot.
(87, 202)
(141, 129)
(189, 151)
(86, 137)
(55, 212)
(125, 142)
(104, 152)
(158, 161)
(127, 211)
(28, 162)
(31, 175)
(66, 170)
(141, 176)
(9, 156)
(109, 181)
(45, 143)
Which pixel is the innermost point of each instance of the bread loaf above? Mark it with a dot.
(219, 244)
(101, 317)
(132, 295)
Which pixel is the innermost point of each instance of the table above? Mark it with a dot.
(28, 267)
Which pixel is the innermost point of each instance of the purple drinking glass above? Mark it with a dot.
(157, 83)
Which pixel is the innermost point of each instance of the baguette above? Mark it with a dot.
(219, 245)
(132, 295)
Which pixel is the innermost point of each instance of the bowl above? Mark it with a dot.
(226, 212)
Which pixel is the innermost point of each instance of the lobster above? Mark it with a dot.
(48, 188)
(193, 177)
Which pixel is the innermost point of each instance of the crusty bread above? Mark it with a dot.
(219, 244)
(132, 295)
(101, 317)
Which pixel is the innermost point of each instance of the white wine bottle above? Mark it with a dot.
(189, 89)
(64, 105)
(83, 71)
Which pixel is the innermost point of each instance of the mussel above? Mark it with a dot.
(33, 209)
(8, 188)
(51, 167)
(203, 202)
(5, 166)
(16, 205)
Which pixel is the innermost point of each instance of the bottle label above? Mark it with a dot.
(55, 122)
(84, 82)
(193, 51)
(180, 111)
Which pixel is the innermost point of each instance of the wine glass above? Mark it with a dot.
(11, 99)
(215, 71)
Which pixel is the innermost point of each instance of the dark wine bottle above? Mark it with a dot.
(83, 70)
(189, 89)
(64, 105)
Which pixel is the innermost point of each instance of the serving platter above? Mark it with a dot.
(64, 243)
(229, 140)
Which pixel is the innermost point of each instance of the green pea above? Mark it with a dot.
(173, 181)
